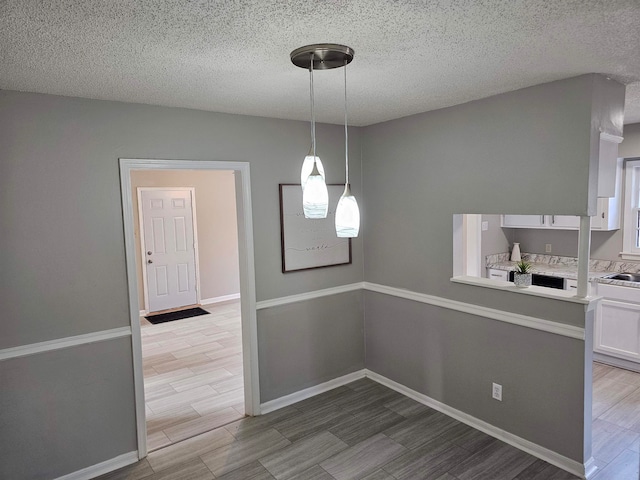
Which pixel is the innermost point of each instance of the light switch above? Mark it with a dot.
(485, 226)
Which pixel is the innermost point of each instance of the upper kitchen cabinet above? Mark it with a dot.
(610, 206)
(608, 165)
(523, 221)
(558, 222)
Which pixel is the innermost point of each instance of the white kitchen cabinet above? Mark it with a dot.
(608, 165)
(495, 274)
(523, 221)
(565, 222)
(617, 322)
(559, 222)
(571, 284)
(608, 217)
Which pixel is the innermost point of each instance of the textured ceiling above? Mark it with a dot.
(233, 56)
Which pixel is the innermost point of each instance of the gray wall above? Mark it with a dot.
(454, 358)
(475, 158)
(494, 240)
(63, 273)
(310, 342)
(604, 245)
(630, 147)
(64, 410)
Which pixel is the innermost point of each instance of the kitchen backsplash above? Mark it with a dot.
(594, 264)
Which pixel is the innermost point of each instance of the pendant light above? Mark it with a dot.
(311, 158)
(347, 212)
(315, 196)
(323, 56)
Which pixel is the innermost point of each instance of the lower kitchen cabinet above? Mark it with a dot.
(495, 274)
(617, 322)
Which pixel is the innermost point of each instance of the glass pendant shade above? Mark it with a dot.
(347, 215)
(315, 196)
(307, 167)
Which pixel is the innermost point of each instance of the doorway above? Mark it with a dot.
(245, 306)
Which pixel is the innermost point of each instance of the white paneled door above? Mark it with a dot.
(169, 247)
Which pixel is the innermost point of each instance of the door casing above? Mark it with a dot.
(247, 278)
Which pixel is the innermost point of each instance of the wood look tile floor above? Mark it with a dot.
(359, 431)
(192, 374)
(616, 423)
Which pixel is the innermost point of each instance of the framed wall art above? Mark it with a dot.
(310, 243)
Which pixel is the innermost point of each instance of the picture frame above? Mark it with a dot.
(308, 244)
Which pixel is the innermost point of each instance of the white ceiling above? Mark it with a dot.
(232, 56)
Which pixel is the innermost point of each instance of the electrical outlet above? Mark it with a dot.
(497, 391)
(485, 226)
(547, 248)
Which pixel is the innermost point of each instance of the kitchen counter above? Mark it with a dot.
(567, 267)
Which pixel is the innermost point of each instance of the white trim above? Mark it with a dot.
(458, 245)
(584, 246)
(590, 468)
(520, 443)
(472, 240)
(514, 318)
(222, 298)
(144, 313)
(630, 256)
(631, 188)
(194, 232)
(102, 467)
(276, 302)
(611, 138)
(66, 342)
(196, 247)
(247, 278)
(616, 362)
(300, 395)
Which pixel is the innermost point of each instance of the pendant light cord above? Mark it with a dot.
(313, 116)
(346, 133)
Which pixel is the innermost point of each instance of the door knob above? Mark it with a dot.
(149, 261)
(149, 252)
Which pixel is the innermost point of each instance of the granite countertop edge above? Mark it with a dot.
(564, 271)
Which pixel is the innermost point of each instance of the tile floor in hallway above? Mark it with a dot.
(192, 374)
(616, 423)
(359, 431)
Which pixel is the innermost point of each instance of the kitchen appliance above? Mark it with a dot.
(543, 281)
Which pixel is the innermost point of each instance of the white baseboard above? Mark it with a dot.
(536, 450)
(223, 298)
(616, 362)
(292, 398)
(144, 313)
(590, 468)
(103, 467)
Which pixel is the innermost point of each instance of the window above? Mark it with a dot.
(631, 226)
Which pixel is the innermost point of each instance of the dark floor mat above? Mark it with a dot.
(179, 315)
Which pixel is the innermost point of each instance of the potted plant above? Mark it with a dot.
(522, 275)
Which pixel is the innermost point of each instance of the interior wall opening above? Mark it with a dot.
(193, 373)
(187, 264)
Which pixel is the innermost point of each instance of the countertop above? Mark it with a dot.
(567, 267)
